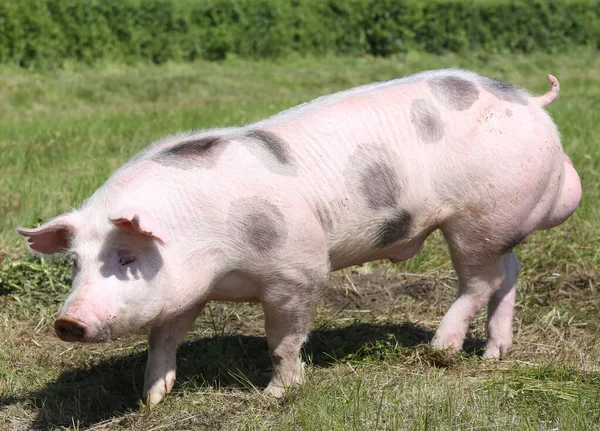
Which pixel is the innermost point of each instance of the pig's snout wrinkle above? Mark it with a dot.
(71, 329)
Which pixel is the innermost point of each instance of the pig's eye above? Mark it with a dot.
(74, 262)
(124, 260)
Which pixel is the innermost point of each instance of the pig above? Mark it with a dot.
(264, 212)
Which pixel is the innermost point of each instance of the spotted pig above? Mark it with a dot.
(265, 211)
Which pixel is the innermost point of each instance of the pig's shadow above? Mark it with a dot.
(113, 387)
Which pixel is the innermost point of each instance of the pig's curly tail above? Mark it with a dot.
(549, 97)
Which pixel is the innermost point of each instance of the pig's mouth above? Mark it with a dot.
(69, 328)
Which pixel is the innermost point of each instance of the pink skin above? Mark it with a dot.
(108, 284)
(500, 311)
(158, 240)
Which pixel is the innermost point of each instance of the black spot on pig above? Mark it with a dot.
(427, 120)
(257, 223)
(505, 91)
(453, 92)
(508, 112)
(379, 185)
(278, 148)
(195, 147)
(188, 153)
(394, 230)
(512, 242)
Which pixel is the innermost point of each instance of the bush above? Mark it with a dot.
(45, 33)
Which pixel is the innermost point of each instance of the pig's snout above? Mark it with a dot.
(71, 329)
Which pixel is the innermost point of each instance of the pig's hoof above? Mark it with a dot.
(495, 350)
(450, 344)
(275, 390)
(156, 388)
(153, 398)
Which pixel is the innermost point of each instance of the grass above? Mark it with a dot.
(368, 364)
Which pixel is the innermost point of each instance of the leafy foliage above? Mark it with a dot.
(45, 33)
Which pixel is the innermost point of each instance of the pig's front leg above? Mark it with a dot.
(287, 325)
(163, 342)
(500, 311)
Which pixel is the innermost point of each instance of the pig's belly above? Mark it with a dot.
(235, 286)
(397, 253)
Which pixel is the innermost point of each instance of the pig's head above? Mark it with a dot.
(117, 279)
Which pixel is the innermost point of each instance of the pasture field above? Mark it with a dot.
(368, 363)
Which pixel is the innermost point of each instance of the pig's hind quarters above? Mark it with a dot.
(567, 197)
(487, 273)
(481, 245)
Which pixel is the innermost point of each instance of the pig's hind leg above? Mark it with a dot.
(486, 273)
(159, 377)
(500, 311)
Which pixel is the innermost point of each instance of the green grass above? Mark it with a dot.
(62, 133)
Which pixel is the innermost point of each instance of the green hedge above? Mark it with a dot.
(42, 33)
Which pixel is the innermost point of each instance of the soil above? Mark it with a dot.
(377, 291)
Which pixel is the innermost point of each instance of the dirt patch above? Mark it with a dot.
(381, 289)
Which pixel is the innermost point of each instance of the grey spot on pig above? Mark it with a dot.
(379, 185)
(273, 144)
(258, 223)
(189, 153)
(427, 120)
(505, 91)
(261, 233)
(508, 112)
(453, 92)
(370, 172)
(394, 230)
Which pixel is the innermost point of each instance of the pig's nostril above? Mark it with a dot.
(69, 329)
(72, 330)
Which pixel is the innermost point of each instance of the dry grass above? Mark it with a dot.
(359, 358)
(368, 362)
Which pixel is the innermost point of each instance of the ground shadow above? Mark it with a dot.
(113, 387)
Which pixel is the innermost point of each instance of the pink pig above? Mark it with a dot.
(264, 212)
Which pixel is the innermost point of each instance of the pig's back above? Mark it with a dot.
(389, 162)
(377, 165)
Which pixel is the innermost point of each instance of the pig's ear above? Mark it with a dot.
(53, 236)
(138, 220)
